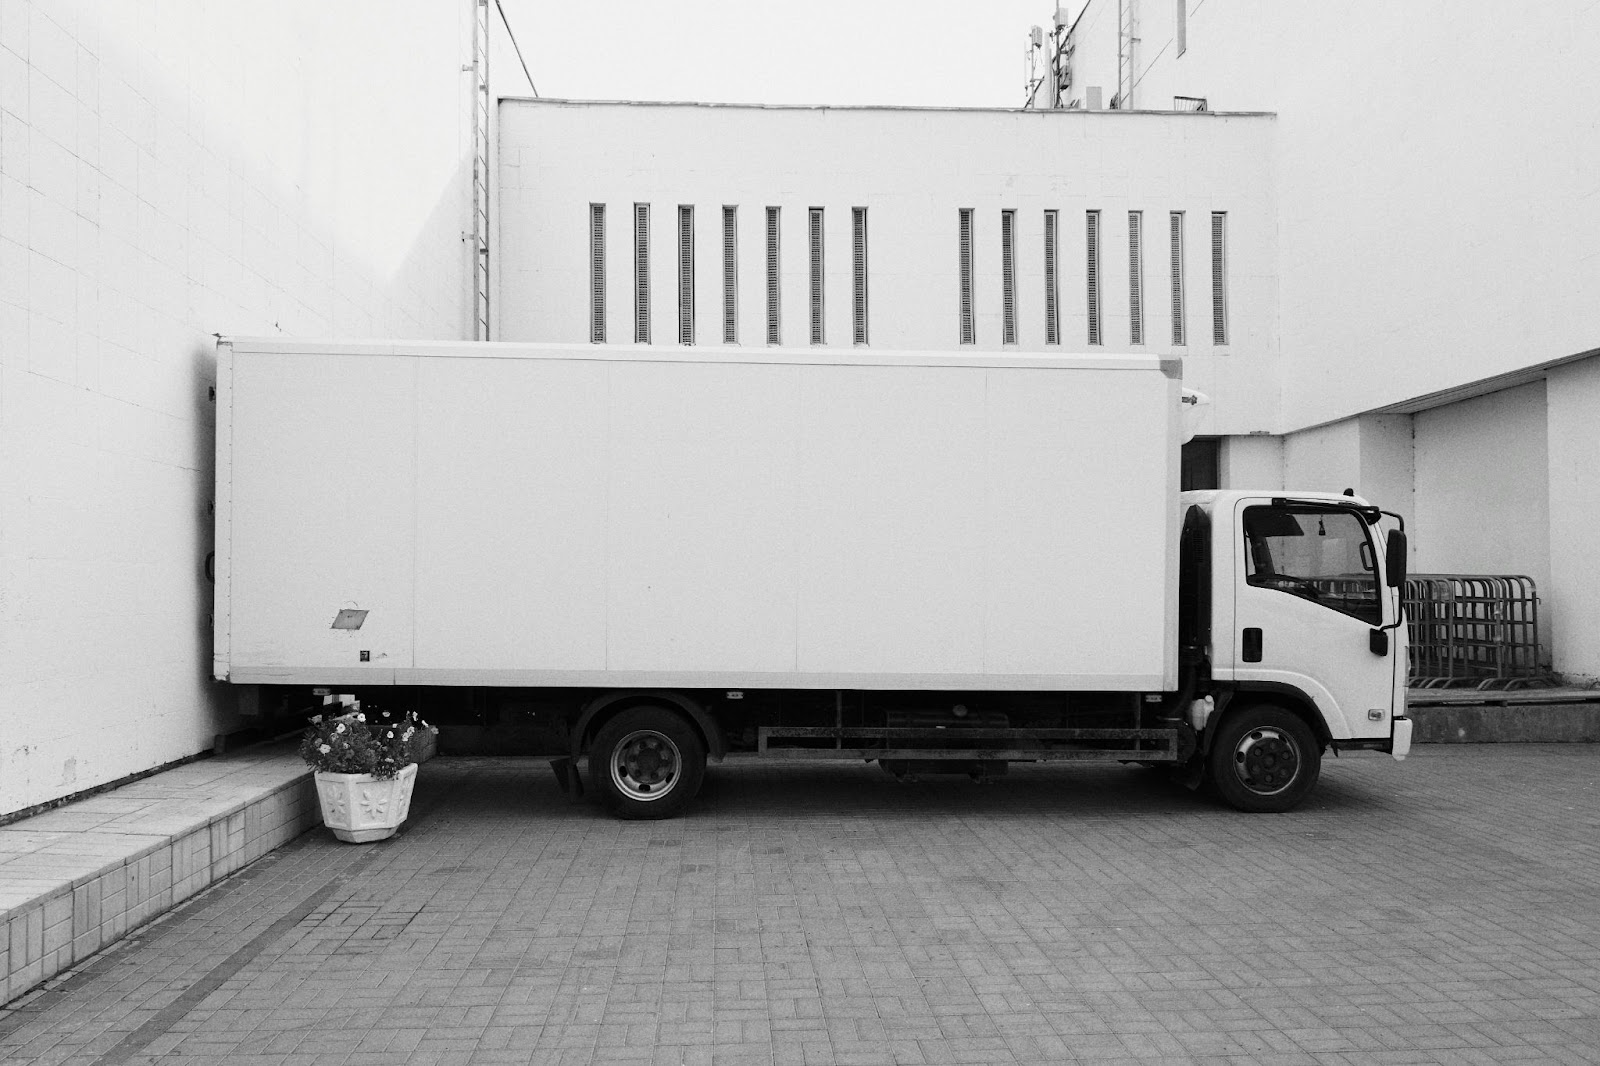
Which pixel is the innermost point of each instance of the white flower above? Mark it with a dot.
(324, 749)
(339, 728)
(360, 717)
(408, 733)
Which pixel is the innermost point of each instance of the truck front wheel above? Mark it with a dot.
(647, 762)
(1264, 759)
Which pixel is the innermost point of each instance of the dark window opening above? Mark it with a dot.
(1201, 464)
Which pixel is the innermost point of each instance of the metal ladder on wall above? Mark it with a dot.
(479, 237)
(1127, 38)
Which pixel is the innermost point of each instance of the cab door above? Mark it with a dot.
(1307, 596)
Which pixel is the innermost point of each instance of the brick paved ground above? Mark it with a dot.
(1442, 911)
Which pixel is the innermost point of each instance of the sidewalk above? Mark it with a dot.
(75, 879)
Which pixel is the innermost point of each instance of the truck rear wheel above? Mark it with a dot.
(1264, 759)
(647, 762)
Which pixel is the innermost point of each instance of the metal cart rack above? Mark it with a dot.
(1473, 630)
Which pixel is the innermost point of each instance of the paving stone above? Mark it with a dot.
(1442, 911)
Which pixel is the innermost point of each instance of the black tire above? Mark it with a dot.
(647, 762)
(1264, 759)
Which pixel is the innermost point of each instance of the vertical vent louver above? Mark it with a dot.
(1219, 278)
(1052, 308)
(858, 275)
(969, 332)
(814, 239)
(641, 273)
(597, 273)
(685, 274)
(1092, 251)
(730, 275)
(1179, 337)
(774, 279)
(1136, 277)
(1008, 277)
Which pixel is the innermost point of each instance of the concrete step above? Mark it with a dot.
(80, 877)
(1526, 716)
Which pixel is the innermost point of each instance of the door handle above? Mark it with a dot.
(1252, 645)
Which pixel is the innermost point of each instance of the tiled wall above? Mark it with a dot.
(168, 172)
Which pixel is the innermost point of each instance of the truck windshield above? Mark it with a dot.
(1324, 556)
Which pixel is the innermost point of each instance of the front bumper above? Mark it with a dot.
(1400, 738)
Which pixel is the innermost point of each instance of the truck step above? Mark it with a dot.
(1019, 745)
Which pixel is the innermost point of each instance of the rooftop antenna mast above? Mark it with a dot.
(1032, 60)
(1127, 38)
(1049, 64)
(481, 106)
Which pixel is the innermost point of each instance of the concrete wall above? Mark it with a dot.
(913, 170)
(1094, 34)
(167, 172)
(1432, 238)
(1325, 459)
(1572, 596)
(1433, 233)
(1371, 454)
(1482, 498)
(1387, 475)
(1254, 462)
(1232, 59)
(1470, 477)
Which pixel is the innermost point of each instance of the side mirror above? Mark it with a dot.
(1394, 560)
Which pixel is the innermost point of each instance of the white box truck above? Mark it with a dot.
(938, 561)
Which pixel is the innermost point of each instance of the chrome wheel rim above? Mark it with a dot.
(645, 765)
(1266, 760)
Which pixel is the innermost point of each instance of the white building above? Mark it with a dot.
(1383, 279)
(894, 228)
(169, 171)
(1436, 205)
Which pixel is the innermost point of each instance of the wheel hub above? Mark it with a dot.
(646, 765)
(1267, 760)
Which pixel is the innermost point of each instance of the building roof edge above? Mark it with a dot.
(577, 102)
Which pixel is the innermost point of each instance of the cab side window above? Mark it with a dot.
(1325, 556)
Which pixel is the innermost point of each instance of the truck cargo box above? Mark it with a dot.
(540, 515)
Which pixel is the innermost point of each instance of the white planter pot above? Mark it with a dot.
(360, 808)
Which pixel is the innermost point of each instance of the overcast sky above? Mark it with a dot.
(933, 52)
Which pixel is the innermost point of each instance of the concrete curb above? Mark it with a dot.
(1510, 723)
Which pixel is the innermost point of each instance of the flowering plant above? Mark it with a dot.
(381, 743)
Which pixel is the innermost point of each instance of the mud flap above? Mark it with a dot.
(1400, 739)
(568, 777)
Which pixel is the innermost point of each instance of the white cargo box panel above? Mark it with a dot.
(504, 514)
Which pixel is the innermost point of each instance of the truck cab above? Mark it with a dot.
(1290, 608)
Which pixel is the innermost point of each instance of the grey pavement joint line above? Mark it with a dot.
(172, 1013)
